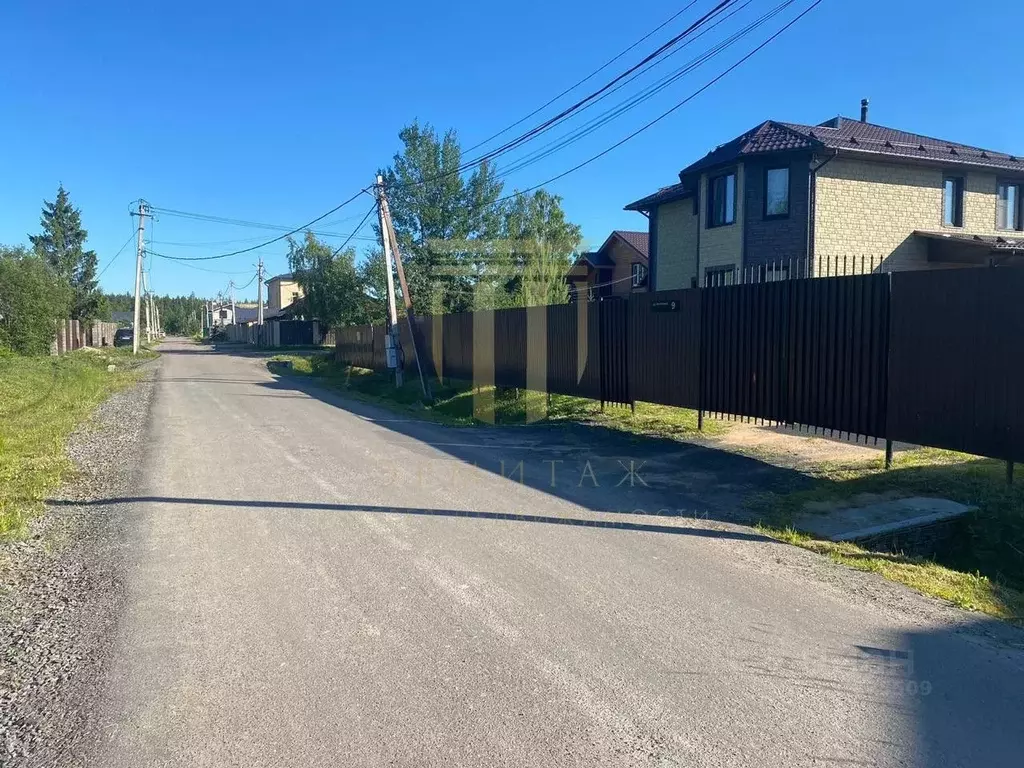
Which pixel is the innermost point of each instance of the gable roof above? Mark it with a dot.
(599, 259)
(638, 241)
(852, 136)
(285, 276)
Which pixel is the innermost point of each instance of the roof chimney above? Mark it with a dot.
(863, 110)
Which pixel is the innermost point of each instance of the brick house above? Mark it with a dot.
(785, 194)
(618, 268)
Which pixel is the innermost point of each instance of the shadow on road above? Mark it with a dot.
(423, 512)
(597, 467)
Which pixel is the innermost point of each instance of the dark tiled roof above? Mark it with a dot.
(595, 259)
(638, 240)
(854, 137)
(1014, 242)
(663, 195)
(285, 276)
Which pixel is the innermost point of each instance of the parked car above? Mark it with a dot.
(124, 337)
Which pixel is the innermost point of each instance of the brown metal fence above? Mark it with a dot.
(930, 358)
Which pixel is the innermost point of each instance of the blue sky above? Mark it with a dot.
(276, 112)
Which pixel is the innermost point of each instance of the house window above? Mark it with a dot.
(776, 193)
(722, 200)
(716, 276)
(1010, 206)
(639, 274)
(953, 201)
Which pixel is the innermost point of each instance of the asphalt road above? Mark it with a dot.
(311, 583)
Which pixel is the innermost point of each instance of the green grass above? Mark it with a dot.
(453, 402)
(42, 400)
(982, 571)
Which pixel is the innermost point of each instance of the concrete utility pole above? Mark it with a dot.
(142, 214)
(149, 309)
(391, 341)
(406, 296)
(259, 292)
(231, 285)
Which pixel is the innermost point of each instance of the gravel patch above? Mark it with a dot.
(61, 590)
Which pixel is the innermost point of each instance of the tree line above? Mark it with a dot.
(465, 243)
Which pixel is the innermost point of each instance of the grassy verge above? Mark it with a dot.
(42, 400)
(983, 570)
(453, 402)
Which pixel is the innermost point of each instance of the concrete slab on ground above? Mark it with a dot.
(859, 522)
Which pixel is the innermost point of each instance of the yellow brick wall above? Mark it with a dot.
(676, 261)
(872, 209)
(721, 246)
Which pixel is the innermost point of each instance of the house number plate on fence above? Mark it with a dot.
(665, 306)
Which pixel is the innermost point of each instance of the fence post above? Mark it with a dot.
(888, 453)
(1009, 471)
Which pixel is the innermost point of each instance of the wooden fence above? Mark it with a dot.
(930, 358)
(76, 334)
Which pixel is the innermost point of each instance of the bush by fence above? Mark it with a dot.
(930, 358)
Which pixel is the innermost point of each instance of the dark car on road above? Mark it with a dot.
(124, 337)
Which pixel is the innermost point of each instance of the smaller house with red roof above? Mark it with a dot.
(618, 268)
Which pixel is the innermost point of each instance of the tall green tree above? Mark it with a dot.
(541, 243)
(32, 299)
(332, 291)
(61, 244)
(438, 214)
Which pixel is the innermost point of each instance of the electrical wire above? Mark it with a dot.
(196, 266)
(665, 114)
(362, 223)
(576, 85)
(647, 93)
(114, 257)
(722, 5)
(277, 239)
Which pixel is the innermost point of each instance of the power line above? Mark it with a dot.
(576, 85)
(668, 112)
(722, 5)
(644, 95)
(238, 223)
(196, 266)
(114, 257)
(277, 239)
(362, 223)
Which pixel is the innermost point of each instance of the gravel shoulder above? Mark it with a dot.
(61, 589)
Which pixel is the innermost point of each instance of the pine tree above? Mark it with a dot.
(61, 245)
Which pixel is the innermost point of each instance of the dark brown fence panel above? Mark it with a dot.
(956, 368)
(837, 354)
(613, 316)
(808, 352)
(572, 370)
(510, 348)
(664, 347)
(458, 346)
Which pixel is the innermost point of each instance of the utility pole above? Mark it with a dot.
(142, 214)
(259, 291)
(391, 340)
(406, 296)
(231, 285)
(149, 309)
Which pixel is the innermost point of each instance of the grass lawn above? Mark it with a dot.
(984, 571)
(453, 402)
(42, 401)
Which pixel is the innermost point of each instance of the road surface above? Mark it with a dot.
(312, 582)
